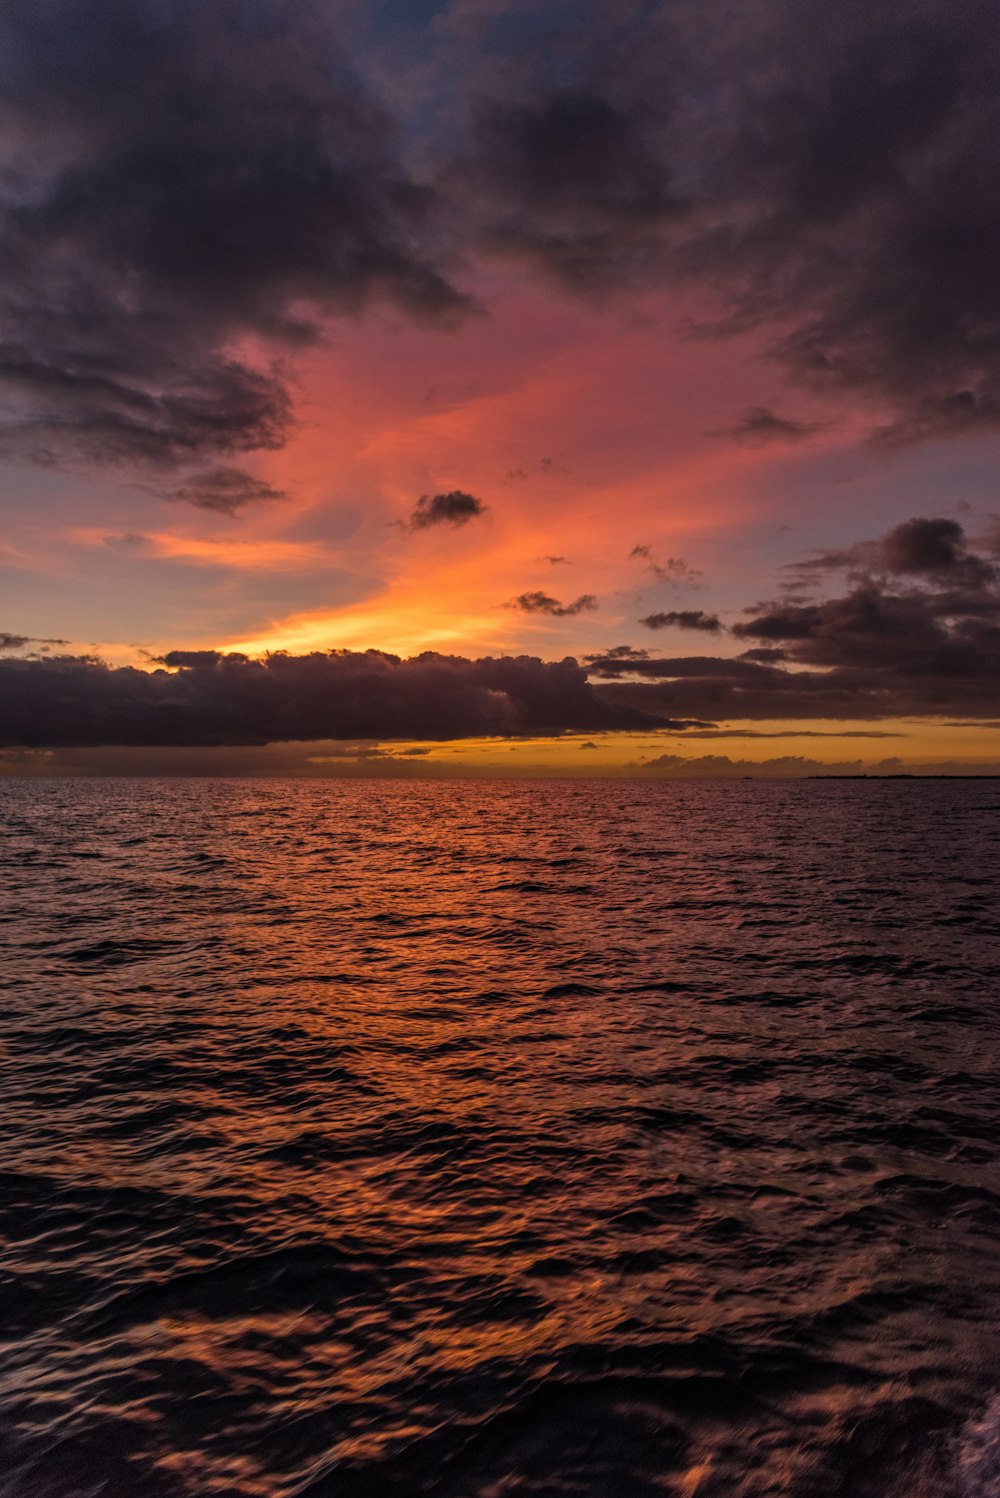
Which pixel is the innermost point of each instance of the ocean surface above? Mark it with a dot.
(500, 1138)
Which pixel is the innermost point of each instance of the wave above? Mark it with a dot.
(977, 1455)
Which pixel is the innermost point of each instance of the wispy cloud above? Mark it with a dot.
(542, 603)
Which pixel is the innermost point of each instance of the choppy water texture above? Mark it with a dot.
(489, 1139)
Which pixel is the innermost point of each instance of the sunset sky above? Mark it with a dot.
(663, 336)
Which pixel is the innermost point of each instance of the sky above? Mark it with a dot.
(499, 386)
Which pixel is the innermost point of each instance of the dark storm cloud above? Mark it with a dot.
(831, 172)
(454, 508)
(183, 182)
(541, 603)
(871, 627)
(684, 619)
(761, 425)
(215, 699)
(178, 179)
(223, 490)
(569, 180)
(918, 636)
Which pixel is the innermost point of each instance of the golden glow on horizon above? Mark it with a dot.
(401, 631)
(855, 746)
(911, 746)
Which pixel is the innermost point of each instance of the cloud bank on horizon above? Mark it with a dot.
(208, 698)
(917, 634)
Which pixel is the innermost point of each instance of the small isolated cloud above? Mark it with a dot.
(684, 619)
(223, 490)
(673, 570)
(933, 549)
(127, 538)
(541, 603)
(588, 745)
(557, 561)
(454, 508)
(761, 425)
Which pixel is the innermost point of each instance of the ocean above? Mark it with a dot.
(496, 1138)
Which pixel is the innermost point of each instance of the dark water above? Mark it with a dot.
(500, 1139)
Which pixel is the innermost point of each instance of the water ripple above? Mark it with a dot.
(475, 1140)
